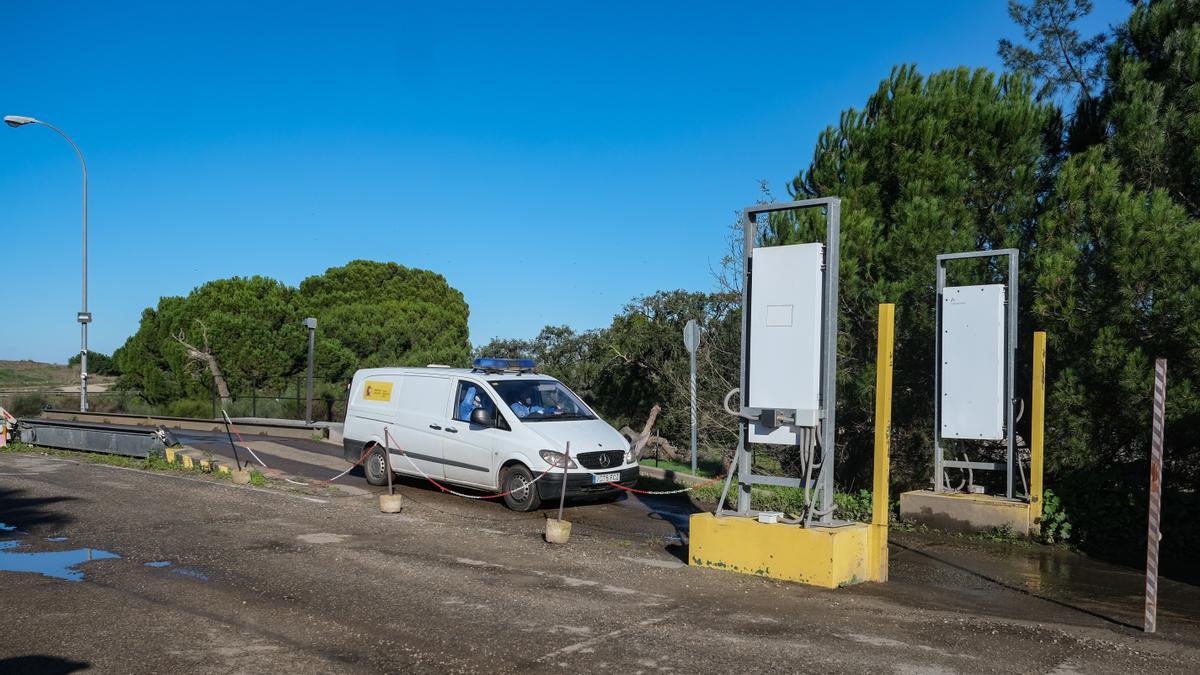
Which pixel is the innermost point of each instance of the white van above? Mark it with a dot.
(496, 427)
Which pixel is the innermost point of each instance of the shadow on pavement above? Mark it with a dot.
(26, 512)
(677, 512)
(40, 663)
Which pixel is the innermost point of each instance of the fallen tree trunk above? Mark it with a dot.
(637, 441)
(205, 358)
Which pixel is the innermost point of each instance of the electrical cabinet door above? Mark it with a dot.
(972, 365)
(785, 336)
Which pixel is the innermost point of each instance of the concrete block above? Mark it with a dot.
(819, 556)
(958, 512)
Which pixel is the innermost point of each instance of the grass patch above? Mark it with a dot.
(151, 463)
(850, 506)
(704, 467)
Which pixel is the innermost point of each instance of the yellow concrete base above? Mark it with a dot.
(826, 557)
(960, 512)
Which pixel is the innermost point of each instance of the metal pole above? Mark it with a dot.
(387, 467)
(1037, 424)
(744, 450)
(937, 377)
(1010, 390)
(562, 495)
(1153, 534)
(83, 317)
(883, 434)
(829, 350)
(311, 324)
(236, 460)
(694, 416)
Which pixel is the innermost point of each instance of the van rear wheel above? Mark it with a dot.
(522, 494)
(374, 467)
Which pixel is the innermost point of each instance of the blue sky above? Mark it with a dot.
(552, 160)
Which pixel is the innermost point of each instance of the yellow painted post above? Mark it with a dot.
(878, 553)
(1037, 429)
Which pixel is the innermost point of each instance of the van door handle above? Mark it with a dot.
(452, 430)
(434, 426)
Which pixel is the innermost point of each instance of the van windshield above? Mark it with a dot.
(541, 400)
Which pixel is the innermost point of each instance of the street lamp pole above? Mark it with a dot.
(311, 324)
(84, 316)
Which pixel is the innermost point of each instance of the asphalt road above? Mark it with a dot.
(255, 580)
(632, 516)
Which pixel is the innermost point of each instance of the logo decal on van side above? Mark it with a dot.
(375, 390)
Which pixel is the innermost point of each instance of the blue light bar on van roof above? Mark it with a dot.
(500, 365)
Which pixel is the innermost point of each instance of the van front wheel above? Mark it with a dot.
(374, 467)
(522, 494)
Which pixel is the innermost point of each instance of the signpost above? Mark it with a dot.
(691, 340)
(1156, 443)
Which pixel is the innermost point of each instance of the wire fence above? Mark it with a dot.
(283, 400)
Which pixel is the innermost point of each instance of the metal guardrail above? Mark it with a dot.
(285, 429)
(133, 441)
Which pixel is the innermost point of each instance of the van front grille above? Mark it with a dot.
(605, 459)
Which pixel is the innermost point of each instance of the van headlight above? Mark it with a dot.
(555, 459)
(629, 459)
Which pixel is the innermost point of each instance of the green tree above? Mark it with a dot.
(369, 314)
(1154, 101)
(1067, 66)
(375, 314)
(646, 364)
(1114, 284)
(1063, 60)
(953, 162)
(98, 364)
(251, 325)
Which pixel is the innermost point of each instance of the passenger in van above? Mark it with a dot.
(470, 401)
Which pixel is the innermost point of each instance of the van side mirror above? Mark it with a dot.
(481, 417)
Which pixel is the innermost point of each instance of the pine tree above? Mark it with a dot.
(953, 162)
(1154, 101)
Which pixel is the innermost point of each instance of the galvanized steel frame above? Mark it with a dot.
(1010, 352)
(829, 321)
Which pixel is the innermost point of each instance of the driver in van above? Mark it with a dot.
(524, 405)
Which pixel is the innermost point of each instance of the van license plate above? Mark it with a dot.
(606, 478)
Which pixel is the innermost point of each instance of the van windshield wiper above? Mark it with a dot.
(565, 416)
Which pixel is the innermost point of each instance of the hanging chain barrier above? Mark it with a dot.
(389, 447)
(229, 424)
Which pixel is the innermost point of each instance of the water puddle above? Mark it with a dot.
(56, 538)
(5, 527)
(158, 563)
(55, 564)
(191, 574)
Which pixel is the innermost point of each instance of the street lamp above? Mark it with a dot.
(311, 324)
(84, 316)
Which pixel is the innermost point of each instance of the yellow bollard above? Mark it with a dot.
(878, 552)
(1037, 435)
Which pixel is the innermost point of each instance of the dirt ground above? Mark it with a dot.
(196, 575)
